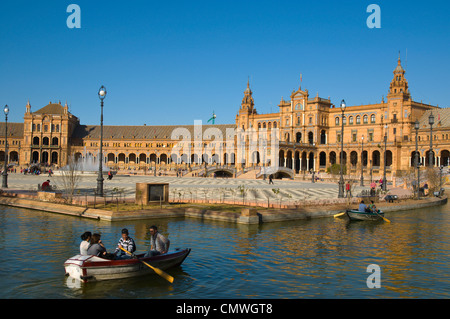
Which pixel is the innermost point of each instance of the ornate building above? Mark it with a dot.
(309, 131)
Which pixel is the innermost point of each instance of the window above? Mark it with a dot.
(365, 119)
(354, 137)
(337, 120)
(358, 120)
(372, 118)
(350, 120)
(344, 120)
(370, 137)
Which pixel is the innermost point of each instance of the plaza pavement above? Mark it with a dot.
(195, 187)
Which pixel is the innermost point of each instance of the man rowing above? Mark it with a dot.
(127, 243)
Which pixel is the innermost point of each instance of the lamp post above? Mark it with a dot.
(101, 95)
(341, 179)
(416, 158)
(385, 158)
(5, 169)
(430, 156)
(264, 163)
(362, 160)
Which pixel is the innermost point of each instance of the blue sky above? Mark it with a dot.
(169, 63)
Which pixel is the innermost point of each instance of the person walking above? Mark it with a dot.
(348, 190)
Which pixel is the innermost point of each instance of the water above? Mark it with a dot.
(324, 258)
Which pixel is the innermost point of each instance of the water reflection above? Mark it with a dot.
(323, 258)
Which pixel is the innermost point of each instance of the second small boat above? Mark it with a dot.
(358, 215)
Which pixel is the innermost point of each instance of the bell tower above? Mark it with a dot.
(399, 86)
(247, 102)
(244, 118)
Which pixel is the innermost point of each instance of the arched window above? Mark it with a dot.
(365, 119)
(358, 119)
(336, 120)
(350, 120)
(372, 118)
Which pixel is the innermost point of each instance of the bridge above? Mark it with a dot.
(276, 172)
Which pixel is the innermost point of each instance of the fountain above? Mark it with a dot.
(86, 165)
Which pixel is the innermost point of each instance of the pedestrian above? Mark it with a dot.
(270, 179)
(46, 185)
(348, 190)
(159, 244)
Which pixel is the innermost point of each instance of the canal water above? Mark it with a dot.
(322, 258)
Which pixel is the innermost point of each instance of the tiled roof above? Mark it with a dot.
(142, 132)
(15, 130)
(441, 118)
(52, 108)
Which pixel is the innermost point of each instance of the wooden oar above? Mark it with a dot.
(166, 276)
(385, 219)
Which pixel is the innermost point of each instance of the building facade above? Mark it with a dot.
(308, 137)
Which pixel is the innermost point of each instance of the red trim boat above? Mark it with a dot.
(92, 268)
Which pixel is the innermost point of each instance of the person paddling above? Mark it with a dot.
(127, 243)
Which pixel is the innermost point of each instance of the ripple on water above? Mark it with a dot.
(325, 258)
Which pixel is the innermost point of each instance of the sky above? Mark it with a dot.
(173, 62)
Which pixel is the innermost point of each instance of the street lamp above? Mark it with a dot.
(5, 169)
(385, 158)
(416, 158)
(264, 162)
(362, 160)
(341, 179)
(430, 156)
(101, 95)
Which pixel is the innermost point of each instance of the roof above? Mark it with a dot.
(144, 132)
(52, 108)
(15, 130)
(441, 118)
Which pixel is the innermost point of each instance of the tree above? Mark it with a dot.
(69, 178)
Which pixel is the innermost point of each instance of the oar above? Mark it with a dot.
(166, 276)
(385, 219)
(339, 215)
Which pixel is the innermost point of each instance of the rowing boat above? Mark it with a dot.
(358, 215)
(93, 268)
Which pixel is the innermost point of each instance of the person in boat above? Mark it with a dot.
(96, 248)
(127, 243)
(372, 207)
(159, 244)
(362, 207)
(85, 239)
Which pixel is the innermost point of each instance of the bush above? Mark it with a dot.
(335, 169)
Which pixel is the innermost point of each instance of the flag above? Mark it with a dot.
(212, 118)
